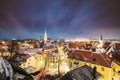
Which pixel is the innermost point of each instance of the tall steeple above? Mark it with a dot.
(101, 41)
(45, 36)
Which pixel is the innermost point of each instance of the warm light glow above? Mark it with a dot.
(78, 40)
(41, 63)
(101, 43)
(3, 42)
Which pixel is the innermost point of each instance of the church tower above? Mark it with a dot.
(101, 37)
(45, 37)
(101, 40)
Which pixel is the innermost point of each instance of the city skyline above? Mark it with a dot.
(63, 19)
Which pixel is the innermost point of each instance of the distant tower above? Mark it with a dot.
(101, 41)
(45, 36)
(40, 37)
(101, 37)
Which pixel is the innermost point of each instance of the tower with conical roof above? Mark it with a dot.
(45, 37)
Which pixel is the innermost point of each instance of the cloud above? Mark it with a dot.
(63, 18)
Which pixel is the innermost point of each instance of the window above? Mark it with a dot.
(90, 65)
(94, 69)
(94, 59)
(94, 72)
(76, 64)
(119, 71)
(102, 68)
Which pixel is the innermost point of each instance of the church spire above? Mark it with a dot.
(45, 36)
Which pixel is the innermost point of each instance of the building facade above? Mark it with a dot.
(108, 69)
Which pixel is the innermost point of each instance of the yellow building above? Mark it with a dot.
(116, 66)
(48, 60)
(5, 54)
(108, 69)
(116, 69)
(56, 58)
(36, 61)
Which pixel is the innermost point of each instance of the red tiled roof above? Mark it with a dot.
(88, 45)
(49, 49)
(117, 45)
(94, 58)
(30, 50)
(106, 44)
(76, 44)
(25, 56)
(65, 49)
(116, 57)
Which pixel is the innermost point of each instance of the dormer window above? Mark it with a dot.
(94, 59)
(76, 62)
(77, 56)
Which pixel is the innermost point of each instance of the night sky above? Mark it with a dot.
(62, 18)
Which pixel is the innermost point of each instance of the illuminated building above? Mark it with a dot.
(50, 60)
(5, 53)
(108, 68)
(34, 63)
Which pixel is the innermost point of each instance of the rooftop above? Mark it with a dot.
(94, 58)
(116, 57)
